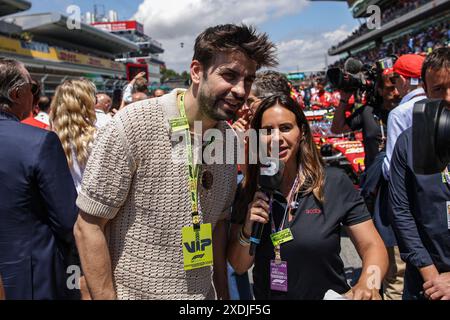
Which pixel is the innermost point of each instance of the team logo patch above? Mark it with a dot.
(313, 211)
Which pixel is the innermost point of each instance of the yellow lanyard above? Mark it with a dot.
(446, 175)
(193, 170)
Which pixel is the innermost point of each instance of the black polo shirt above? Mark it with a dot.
(313, 260)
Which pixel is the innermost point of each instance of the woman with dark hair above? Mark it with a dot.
(302, 261)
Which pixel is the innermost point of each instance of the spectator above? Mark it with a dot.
(138, 96)
(137, 84)
(419, 202)
(102, 108)
(159, 93)
(141, 85)
(266, 83)
(37, 197)
(407, 77)
(133, 186)
(116, 101)
(44, 108)
(31, 119)
(73, 119)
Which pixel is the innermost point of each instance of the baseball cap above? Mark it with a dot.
(409, 66)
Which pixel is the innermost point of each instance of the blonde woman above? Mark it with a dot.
(73, 119)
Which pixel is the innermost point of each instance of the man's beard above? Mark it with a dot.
(208, 106)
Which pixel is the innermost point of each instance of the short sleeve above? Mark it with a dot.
(127, 92)
(351, 203)
(108, 174)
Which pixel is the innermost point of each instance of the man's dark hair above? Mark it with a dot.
(270, 83)
(44, 104)
(230, 38)
(141, 85)
(11, 77)
(438, 59)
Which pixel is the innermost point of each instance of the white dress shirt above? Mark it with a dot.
(43, 117)
(102, 118)
(399, 120)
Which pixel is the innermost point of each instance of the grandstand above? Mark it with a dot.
(406, 26)
(8, 7)
(149, 49)
(52, 52)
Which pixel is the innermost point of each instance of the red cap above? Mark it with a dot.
(409, 66)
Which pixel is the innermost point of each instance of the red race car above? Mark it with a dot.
(343, 150)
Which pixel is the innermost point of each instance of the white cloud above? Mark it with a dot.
(308, 54)
(173, 22)
(337, 35)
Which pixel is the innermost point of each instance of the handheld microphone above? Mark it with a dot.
(269, 180)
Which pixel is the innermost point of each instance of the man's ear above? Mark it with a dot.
(14, 93)
(196, 71)
(424, 87)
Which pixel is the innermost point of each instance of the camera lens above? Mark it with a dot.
(443, 133)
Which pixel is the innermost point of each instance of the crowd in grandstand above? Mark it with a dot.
(422, 40)
(398, 9)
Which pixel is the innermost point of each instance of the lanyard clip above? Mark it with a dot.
(277, 255)
(196, 220)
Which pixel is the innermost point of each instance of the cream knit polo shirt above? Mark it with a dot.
(132, 179)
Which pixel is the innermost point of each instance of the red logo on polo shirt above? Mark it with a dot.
(313, 211)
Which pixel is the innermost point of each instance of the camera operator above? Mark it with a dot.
(421, 203)
(407, 79)
(371, 119)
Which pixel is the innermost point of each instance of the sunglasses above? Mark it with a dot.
(35, 91)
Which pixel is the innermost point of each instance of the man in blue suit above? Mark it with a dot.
(37, 198)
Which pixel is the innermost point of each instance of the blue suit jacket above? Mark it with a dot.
(37, 212)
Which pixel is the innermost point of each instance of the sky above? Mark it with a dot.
(302, 30)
